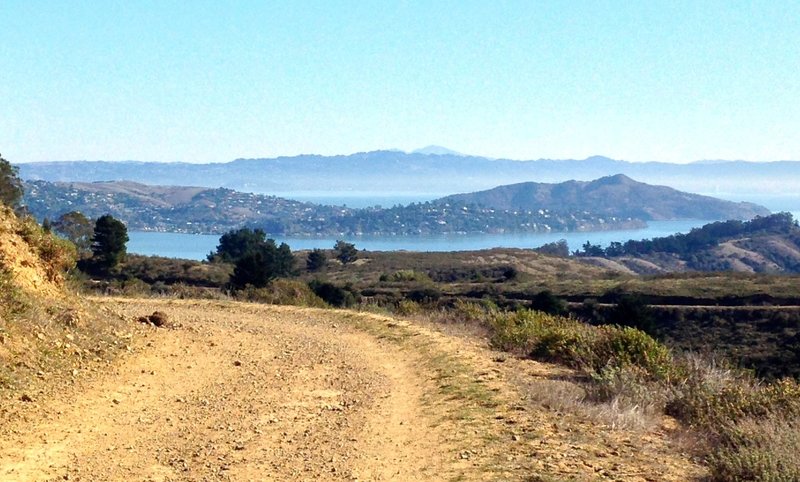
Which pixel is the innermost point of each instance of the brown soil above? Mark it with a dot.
(236, 391)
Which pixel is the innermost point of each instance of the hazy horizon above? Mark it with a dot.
(206, 81)
(409, 151)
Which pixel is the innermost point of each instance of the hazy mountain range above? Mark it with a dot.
(433, 170)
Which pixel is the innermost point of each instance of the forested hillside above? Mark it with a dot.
(769, 244)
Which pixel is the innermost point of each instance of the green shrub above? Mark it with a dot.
(549, 303)
(340, 297)
(579, 345)
(407, 308)
(281, 292)
(406, 275)
(473, 311)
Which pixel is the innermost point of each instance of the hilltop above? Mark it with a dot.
(610, 203)
(618, 196)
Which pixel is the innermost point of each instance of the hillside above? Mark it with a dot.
(610, 203)
(199, 210)
(434, 172)
(618, 196)
(769, 244)
(47, 334)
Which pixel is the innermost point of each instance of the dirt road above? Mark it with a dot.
(250, 392)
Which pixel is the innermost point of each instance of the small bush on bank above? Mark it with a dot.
(761, 450)
(58, 255)
(407, 308)
(578, 345)
(406, 275)
(281, 292)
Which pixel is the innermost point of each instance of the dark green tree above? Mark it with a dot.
(238, 243)
(556, 248)
(77, 228)
(345, 252)
(10, 184)
(108, 243)
(262, 264)
(317, 260)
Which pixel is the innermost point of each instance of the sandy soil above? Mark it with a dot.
(236, 391)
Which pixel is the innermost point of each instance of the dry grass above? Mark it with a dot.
(745, 428)
(767, 450)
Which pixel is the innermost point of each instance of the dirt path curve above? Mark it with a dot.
(241, 392)
(251, 393)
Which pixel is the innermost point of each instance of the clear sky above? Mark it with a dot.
(210, 81)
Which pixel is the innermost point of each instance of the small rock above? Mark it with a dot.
(237, 363)
(158, 318)
(25, 398)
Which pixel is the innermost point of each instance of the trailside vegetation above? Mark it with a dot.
(10, 184)
(108, 243)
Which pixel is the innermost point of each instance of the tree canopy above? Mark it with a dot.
(345, 252)
(237, 243)
(317, 259)
(108, 242)
(10, 184)
(75, 227)
(257, 260)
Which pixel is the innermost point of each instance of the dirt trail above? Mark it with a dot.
(251, 392)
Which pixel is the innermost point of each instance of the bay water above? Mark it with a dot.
(198, 246)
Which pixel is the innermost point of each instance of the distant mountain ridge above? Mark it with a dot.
(616, 195)
(444, 174)
(437, 151)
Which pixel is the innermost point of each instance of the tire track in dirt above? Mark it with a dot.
(236, 392)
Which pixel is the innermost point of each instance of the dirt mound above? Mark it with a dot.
(30, 259)
(49, 337)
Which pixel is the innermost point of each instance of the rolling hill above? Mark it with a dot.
(617, 195)
(769, 244)
(571, 206)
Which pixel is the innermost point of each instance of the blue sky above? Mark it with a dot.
(212, 81)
